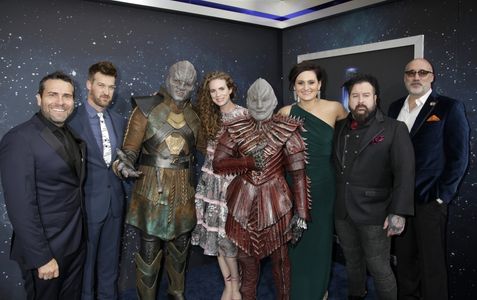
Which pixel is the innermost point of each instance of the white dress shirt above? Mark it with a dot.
(409, 116)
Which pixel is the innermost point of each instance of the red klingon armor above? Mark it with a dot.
(260, 202)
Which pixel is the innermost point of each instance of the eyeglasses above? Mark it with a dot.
(421, 73)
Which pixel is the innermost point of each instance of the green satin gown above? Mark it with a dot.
(311, 257)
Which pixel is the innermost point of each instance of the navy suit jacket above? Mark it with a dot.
(440, 137)
(42, 188)
(102, 188)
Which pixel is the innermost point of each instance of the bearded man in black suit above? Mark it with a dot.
(374, 165)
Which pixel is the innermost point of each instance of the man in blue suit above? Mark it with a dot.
(440, 135)
(102, 129)
(41, 163)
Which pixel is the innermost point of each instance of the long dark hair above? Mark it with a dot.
(209, 112)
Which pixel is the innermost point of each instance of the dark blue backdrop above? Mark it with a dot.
(450, 43)
(40, 36)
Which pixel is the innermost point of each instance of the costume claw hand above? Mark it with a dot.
(125, 167)
(297, 226)
(127, 172)
(258, 156)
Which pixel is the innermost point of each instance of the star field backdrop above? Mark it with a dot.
(39, 36)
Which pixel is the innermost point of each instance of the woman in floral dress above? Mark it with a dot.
(216, 109)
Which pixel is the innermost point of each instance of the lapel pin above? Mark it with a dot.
(433, 103)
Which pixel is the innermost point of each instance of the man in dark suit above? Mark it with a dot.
(102, 129)
(374, 165)
(440, 134)
(41, 164)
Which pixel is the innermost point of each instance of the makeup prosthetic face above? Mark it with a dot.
(261, 100)
(181, 81)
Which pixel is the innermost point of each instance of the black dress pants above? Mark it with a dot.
(421, 254)
(66, 286)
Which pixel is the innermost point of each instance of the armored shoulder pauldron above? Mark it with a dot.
(274, 133)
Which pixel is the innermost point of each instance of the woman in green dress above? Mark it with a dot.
(311, 257)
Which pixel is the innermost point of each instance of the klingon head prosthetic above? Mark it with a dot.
(261, 100)
(181, 81)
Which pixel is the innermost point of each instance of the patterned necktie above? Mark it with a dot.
(105, 140)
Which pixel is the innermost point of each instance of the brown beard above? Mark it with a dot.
(362, 117)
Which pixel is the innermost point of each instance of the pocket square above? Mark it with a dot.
(433, 118)
(377, 139)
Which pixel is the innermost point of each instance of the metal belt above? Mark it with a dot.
(181, 162)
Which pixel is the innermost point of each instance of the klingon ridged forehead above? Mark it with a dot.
(261, 100)
(183, 71)
(181, 80)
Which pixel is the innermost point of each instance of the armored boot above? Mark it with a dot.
(148, 265)
(146, 276)
(175, 264)
(250, 267)
(281, 272)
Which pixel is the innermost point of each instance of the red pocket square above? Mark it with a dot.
(377, 139)
(433, 118)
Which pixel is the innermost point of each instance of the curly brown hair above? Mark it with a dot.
(209, 112)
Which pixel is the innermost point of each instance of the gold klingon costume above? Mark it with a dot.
(162, 202)
(161, 138)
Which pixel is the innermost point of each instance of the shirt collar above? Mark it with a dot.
(419, 101)
(58, 131)
(50, 124)
(92, 113)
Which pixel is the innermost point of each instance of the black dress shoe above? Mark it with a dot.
(358, 297)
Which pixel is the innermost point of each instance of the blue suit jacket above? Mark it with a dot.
(440, 137)
(43, 195)
(102, 188)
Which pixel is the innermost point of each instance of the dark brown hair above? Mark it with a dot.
(57, 75)
(360, 78)
(103, 67)
(302, 67)
(209, 112)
